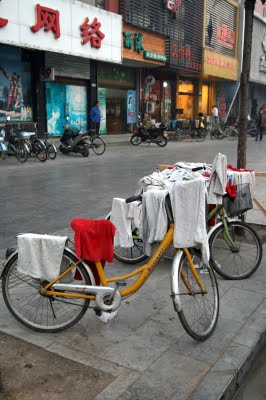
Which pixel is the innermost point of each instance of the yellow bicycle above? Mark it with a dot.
(57, 305)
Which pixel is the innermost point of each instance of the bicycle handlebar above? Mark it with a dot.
(134, 198)
(198, 168)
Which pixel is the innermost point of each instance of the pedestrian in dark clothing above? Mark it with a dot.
(261, 122)
(95, 116)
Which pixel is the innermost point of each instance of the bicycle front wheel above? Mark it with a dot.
(51, 151)
(23, 298)
(179, 135)
(237, 261)
(98, 145)
(21, 152)
(200, 135)
(198, 311)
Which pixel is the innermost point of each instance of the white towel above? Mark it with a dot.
(40, 256)
(135, 214)
(188, 201)
(154, 218)
(120, 219)
(218, 180)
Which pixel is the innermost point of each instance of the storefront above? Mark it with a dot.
(50, 71)
(116, 87)
(220, 56)
(258, 66)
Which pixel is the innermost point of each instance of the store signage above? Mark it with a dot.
(220, 62)
(181, 56)
(134, 41)
(62, 19)
(173, 5)
(149, 80)
(152, 55)
(225, 36)
(48, 19)
(263, 57)
(91, 33)
(131, 106)
(47, 74)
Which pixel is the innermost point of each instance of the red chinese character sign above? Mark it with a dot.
(225, 36)
(3, 22)
(48, 19)
(181, 56)
(173, 5)
(91, 33)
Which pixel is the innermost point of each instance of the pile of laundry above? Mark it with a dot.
(189, 191)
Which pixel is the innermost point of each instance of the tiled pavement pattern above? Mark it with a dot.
(145, 347)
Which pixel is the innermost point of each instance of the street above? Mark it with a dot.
(45, 197)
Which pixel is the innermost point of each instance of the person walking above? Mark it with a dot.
(261, 122)
(95, 116)
(215, 114)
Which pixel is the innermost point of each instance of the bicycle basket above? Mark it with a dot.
(240, 204)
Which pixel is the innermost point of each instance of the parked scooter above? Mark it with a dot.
(155, 134)
(72, 142)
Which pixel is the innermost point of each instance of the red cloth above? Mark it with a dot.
(94, 240)
(231, 190)
(229, 166)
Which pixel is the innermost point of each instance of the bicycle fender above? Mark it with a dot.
(86, 266)
(218, 224)
(175, 281)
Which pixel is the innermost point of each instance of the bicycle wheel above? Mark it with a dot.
(233, 134)
(21, 152)
(51, 151)
(135, 139)
(200, 135)
(85, 151)
(198, 312)
(240, 261)
(132, 255)
(98, 145)
(179, 134)
(39, 312)
(163, 141)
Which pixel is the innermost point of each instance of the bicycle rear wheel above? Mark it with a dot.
(179, 134)
(51, 151)
(200, 135)
(198, 311)
(239, 261)
(39, 312)
(21, 152)
(233, 134)
(98, 145)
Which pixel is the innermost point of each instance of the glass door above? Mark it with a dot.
(185, 99)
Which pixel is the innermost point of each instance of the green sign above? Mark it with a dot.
(102, 107)
(151, 55)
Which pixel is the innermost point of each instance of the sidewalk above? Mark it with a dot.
(145, 350)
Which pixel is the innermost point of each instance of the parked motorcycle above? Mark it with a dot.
(72, 142)
(155, 134)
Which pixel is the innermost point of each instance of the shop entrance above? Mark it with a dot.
(65, 100)
(116, 110)
(185, 99)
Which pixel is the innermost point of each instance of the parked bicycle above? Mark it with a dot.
(50, 147)
(56, 305)
(235, 247)
(95, 142)
(16, 144)
(191, 130)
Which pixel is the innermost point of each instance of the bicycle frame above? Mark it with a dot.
(226, 235)
(144, 272)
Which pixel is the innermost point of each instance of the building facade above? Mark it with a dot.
(48, 64)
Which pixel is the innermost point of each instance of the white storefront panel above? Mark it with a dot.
(23, 15)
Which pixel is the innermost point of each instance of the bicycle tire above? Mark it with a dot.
(201, 321)
(135, 139)
(179, 135)
(21, 153)
(132, 255)
(233, 134)
(200, 135)
(22, 297)
(51, 151)
(230, 263)
(85, 151)
(98, 145)
(163, 141)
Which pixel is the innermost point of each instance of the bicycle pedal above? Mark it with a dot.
(121, 283)
(97, 311)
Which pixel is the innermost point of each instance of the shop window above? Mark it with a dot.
(185, 100)
(166, 103)
(15, 85)
(152, 101)
(205, 99)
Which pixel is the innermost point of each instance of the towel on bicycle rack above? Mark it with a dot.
(188, 200)
(120, 219)
(94, 239)
(40, 256)
(218, 180)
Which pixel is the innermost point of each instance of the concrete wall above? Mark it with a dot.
(259, 33)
